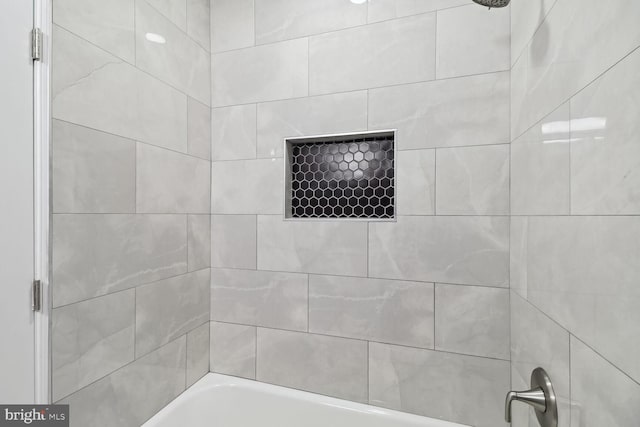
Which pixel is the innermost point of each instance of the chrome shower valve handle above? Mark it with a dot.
(541, 397)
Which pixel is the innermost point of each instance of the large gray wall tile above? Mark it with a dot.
(372, 309)
(170, 308)
(287, 19)
(473, 180)
(605, 148)
(95, 89)
(536, 341)
(232, 24)
(312, 247)
(430, 383)
(107, 24)
(233, 132)
(92, 172)
(321, 364)
(197, 353)
(170, 182)
(582, 271)
(444, 113)
(182, 63)
(265, 73)
(462, 52)
(125, 250)
(198, 22)
(117, 398)
(247, 187)
(199, 237)
(393, 52)
(233, 349)
(233, 241)
(550, 70)
(424, 248)
(315, 115)
(472, 320)
(174, 10)
(541, 167)
(416, 185)
(259, 298)
(91, 339)
(601, 395)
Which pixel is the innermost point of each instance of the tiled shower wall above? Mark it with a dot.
(131, 205)
(411, 314)
(575, 204)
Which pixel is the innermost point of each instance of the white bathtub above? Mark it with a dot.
(223, 401)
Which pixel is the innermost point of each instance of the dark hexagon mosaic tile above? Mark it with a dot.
(351, 177)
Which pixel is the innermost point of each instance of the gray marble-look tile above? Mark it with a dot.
(463, 250)
(170, 182)
(198, 25)
(470, 110)
(387, 53)
(473, 180)
(174, 10)
(601, 395)
(472, 41)
(91, 339)
(382, 10)
(92, 172)
(233, 132)
(197, 353)
(312, 247)
(541, 167)
(131, 395)
(526, 17)
(472, 320)
(288, 19)
(233, 241)
(583, 272)
(578, 41)
(233, 349)
(264, 73)
(317, 363)
(247, 187)
(537, 341)
(107, 24)
(605, 143)
(260, 298)
(430, 383)
(199, 242)
(95, 89)
(179, 61)
(388, 311)
(169, 308)
(199, 129)
(316, 115)
(518, 234)
(122, 251)
(232, 24)
(416, 172)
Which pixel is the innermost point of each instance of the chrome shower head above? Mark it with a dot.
(493, 3)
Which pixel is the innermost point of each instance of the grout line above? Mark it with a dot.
(349, 28)
(364, 340)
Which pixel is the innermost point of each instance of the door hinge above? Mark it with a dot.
(36, 301)
(36, 44)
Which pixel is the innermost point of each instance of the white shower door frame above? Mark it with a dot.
(42, 19)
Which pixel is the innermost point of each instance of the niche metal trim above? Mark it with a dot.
(337, 139)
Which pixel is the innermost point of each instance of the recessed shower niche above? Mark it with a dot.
(341, 176)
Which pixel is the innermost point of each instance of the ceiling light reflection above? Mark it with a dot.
(575, 125)
(155, 38)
